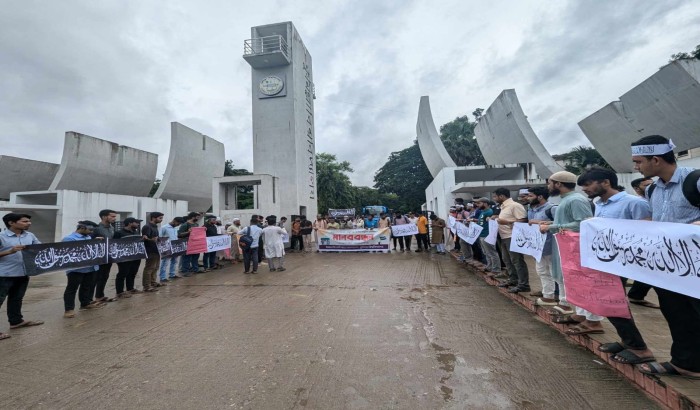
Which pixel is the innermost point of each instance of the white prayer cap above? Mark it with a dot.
(523, 191)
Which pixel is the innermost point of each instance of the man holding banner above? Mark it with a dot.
(511, 212)
(493, 261)
(80, 279)
(540, 211)
(669, 199)
(602, 182)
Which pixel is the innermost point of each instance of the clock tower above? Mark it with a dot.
(283, 116)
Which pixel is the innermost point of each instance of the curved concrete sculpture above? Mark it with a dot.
(93, 165)
(431, 147)
(22, 175)
(505, 137)
(666, 103)
(194, 160)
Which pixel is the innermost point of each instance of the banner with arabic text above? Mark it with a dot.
(48, 257)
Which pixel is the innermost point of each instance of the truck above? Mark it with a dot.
(374, 210)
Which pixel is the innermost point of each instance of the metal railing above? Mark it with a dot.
(265, 45)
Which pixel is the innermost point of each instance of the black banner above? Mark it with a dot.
(178, 247)
(164, 248)
(126, 249)
(47, 257)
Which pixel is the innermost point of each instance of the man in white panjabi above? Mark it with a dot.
(274, 244)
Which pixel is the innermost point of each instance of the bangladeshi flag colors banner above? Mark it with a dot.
(598, 292)
(354, 240)
(48, 257)
(197, 242)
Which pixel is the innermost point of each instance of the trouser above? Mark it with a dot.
(638, 290)
(422, 240)
(465, 248)
(477, 253)
(80, 283)
(404, 242)
(150, 270)
(261, 249)
(163, 268)
(458, 244)
(101, 278)
(544, 270)
(190, 263)
(682, 314)
(13, 288)
(276, 262)
(440, 247)
(209, 260)
(249, 255)
(126, 275)
(493, 262)
(297, 239)
(306, 242)
(515, 263)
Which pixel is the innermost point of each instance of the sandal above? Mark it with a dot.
(4, 336)
(27, 323)
(628, 357)
(663, 369)
(582, 329)
(611, 347)
(645, 303)
(560, 310)
(564, 320)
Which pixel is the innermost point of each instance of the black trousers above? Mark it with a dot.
(101, 279)
(13, 288)
(403, 241)
(80, 283)
(297, 239)
(126, 275)
(628, 332)
(638, 290)
(682, 314)
(422, 241)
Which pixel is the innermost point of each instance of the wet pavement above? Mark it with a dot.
(334, 331)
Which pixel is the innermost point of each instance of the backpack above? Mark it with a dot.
(245, 240)
(690, 188)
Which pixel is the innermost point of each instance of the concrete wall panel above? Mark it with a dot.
(431, 147)
(194, 160)
(93, 165)
(505, 137)
(20, 174)
(667, 103)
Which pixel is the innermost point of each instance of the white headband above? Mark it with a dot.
(657, 149)
(523, 191)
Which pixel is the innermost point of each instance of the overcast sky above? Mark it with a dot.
(123, 70)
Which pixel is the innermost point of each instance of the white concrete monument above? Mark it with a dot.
(284, 150)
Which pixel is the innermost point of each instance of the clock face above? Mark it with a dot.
(271, 85)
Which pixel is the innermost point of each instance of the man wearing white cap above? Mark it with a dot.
(573, 208)
(523, 197)
(233, 231)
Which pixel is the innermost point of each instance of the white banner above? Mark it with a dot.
(218, 243)
(661, 254)
(404, 230)
(451, 222)
(527, 239)
(353, 240)
(469, 233)
(493, 232)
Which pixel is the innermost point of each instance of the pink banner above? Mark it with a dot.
(598, 292)
(198, 241)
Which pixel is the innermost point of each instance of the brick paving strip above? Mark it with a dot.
(670, 392)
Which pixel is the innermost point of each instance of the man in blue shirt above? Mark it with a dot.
(13, 280)
(540, 210)
(169, 231)
(80, 279)
(653, 156)
(602, 183)
(250, 254)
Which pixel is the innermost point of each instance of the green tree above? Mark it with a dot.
(693, 55)
(244, 194)
(332, 183)
(580, 158)
(460, 142)
(406, 176)
(154, 188)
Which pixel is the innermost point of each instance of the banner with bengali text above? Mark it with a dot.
(353, 240)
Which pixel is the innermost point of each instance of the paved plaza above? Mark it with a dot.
(334, 331)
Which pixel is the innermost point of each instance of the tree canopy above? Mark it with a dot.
(581, 158)
(695, 54)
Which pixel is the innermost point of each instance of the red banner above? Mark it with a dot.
(198, 241)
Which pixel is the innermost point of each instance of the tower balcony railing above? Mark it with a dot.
(266, 45)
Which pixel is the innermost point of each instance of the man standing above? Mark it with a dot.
(250, 254)
(438, 235)
(493, 262)
(572, 209)
(306, 229)
(404, 241)
(129, 269)
(422, 237)
(601, 182)
(13, 280)
(105, 229)
(150, 237)
(640, 185)
(210, 257)
(653, 156)
(169, 231)
(233, 231)
(190, 263)
(511, 212)
(296, 235)
(541, 211)
(319, 223)
(80, 279)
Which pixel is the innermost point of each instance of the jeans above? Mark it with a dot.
(250, 254)
(544, 270)
(682, 314)
(306, 242)
(163, 267)
(13, 288)
(126, 275)
(190, 263)
(80, 283)
(493, 262)
(440, 247)
(150, 270)
(515, 263)
(101, 278)
(297, 239)
(209, 260)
